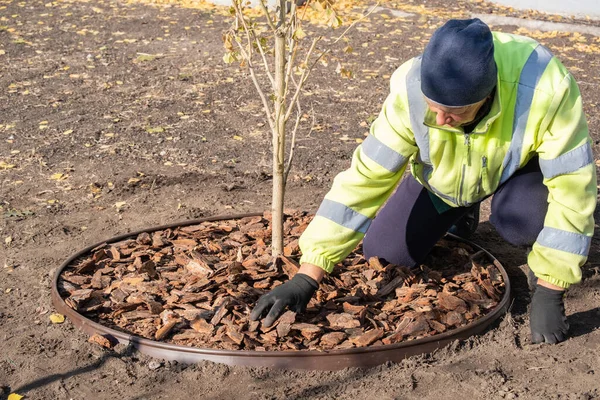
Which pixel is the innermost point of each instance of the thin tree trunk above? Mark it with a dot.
(278, 144)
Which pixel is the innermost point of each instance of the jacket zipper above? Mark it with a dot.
(468, 144)
(460, 188)
(483, 171)
(462, 178)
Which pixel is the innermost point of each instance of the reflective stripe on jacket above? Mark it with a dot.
(537, 111)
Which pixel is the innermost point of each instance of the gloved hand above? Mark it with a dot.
(548, 322)
(295, 294)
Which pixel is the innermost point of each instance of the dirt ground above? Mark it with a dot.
(117, 116)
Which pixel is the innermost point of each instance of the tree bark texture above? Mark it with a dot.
(279, 142)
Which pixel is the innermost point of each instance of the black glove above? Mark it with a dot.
(295, 294)
(547, 320)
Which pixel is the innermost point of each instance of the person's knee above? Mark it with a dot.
(518, 227)
(519, 207)
(392, 250)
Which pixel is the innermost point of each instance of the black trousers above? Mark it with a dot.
(409, 225)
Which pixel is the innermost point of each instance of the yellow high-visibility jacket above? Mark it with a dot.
(537, 111)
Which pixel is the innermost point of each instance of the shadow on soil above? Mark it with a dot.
(38, 383)
(584, 322)
(336, 381)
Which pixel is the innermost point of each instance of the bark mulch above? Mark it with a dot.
(195, 286)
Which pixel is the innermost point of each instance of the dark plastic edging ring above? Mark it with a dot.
(362, 357)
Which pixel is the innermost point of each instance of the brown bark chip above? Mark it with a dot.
(198, 268)
(236, 336)
(221, 312)
(451, 303)
(391, 286)
(289, 266)
(416, 327)
(342, 321)
(285, 322)
(148, 267)
(330, 340)
(454, 318)
(375, 263)
(153, 306)
(196, 285)
(101, 341)
(367, 338)
(309, 331)
(201, 326)
(82, 295)
(352, 309)
(164, 330)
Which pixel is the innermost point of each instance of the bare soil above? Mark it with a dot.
(120, 116)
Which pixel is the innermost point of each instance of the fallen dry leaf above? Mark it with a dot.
(58, 177)
(5, 165)
(57, 318)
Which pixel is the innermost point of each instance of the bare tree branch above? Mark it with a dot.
(305, 8)
(263, 98)
(247, 55)
(257, 84)
(247, 33)
(291, 61)
(293, 47)
(259, 45)
(267, 14)
(305, 74)
(264, 57)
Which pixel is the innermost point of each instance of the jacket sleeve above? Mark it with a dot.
(567, 164)
(357, 193)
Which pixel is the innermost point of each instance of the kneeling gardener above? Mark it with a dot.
(477, 114)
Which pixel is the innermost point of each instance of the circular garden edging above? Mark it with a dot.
(363, 357)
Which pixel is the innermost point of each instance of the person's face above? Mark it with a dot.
(454, 116)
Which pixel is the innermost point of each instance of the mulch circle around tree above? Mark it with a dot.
(196, 285)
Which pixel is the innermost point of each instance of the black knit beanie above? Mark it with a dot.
(458, 66)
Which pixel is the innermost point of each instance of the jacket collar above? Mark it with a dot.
(483, 125)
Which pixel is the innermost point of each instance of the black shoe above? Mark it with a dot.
(467, 224)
